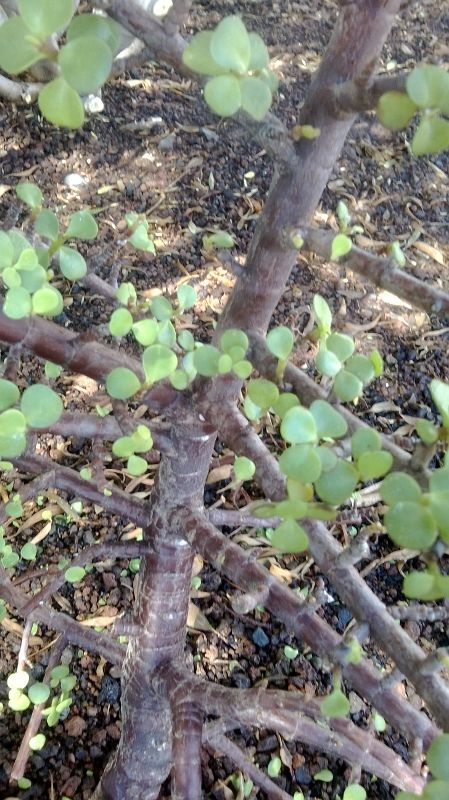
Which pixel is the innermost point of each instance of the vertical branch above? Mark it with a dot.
(187, 720)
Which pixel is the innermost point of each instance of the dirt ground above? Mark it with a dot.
(156, 149)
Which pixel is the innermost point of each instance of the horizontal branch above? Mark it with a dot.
(358, 95)
(19, 92)
(299, 617)
(91, 426)
(381, 272)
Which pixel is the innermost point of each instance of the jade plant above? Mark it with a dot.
(169, 395)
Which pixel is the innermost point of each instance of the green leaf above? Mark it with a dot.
(14, 508)
(256, 97)
(431, 136)
(12, 446)
(68, 683)
(427, 431)
(9, 394)
(24, 783)
(222, 95)
(126, 294)
(365, 440)
(327, 457)
(179, 379)
(354, 792)
(59, 672)
(329, 423)
(72, 264)
(274, 767)
(206, 360)
(341, 345)
(167, 333)
(39, 693)
(11, 278)
(347, 386)
(94, 25)
(341, 246)
(244, 468)
(6, 251)
(270, 79)
(136, 465)
(262, 392)
(141, 241)
(122, 383)
(290, 652)
(41, 406)
(37, 742)
(17, 303)
(285, 401)
(421, 586)
(400, 487)
(436, 790)
(243, 369)
(336, 485)
(146, 331)
(362, 367)
(60, 104)
(234, 338)
(161, 308)
(12, 422)
(18, 701)
(335, 704)
(47, 302)
(324, 775)
(219, 240)
(259, 54)
(410, 525)
(30, 194)
(280, 342)
(123, 447)
(74, 574)
(230, 45)
(197, 55)
(142, 439)
(186, 340)
(395, 110)
(428, 87)
(327, 363)
(47, 224)
(121, 322)
(81, 225)
(224, 364)
(379, 722)
(46, 16)
(85, 63)
(323, 314)
(440, 396)
(290, 537)
(438, 757)
(298, 426)
(301, 462)
(18, 680)
(374, 465)
(17, 54)
(377, 362)
(158, 362)
(289, 509)
(186, 296)
(28, 551)
(397, 255)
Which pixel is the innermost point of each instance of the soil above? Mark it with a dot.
(156, 149)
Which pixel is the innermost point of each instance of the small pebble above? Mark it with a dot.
(74, 179)
(260, 638)
(167, 143)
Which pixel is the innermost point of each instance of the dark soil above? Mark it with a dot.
(183, 168)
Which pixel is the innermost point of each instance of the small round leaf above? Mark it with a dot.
(121, 322)
(230, 45)
(37, 742)
(244, 468)
(438, 757)
(222, 95)
(298, 426)
(329, 423)
(411, 525)
(158, 362)
(395, 110)
(39, 693)
(74, 574)
(41, 406)
(335, 704)
(81, 225)
(61, 104)
(280, 342)
(301, 462)
(336, 485)
(122, 383)
(290, 537)
(85, 63)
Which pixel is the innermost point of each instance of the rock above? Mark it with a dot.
(75, 726)
(260, 638)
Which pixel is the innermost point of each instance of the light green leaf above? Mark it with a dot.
(74, 574)
(121, 322)
(18, 680)
(206, 360)
(146, 331)
(397, 254)
(354, 792)
(16, 53)
(158, 362)
(329, 422)
(94, 25)
(47, 224)
(335, 704)
(142, 439)
(301, 462)
(274, 767)
(12, 422)
(219, 240)
(374, 465)
(259, 54)
(395, 110)
(362, 367)
(186, 296)
(347, 386)
(47, 302)
(12, 446)
(341, 345)
(37, 742)
(298, 426)
(82, 225)
(438, 757)
(440, 396)
(290, 652)
(30, 194)
(280, 342)
(224, 364)
(161, 308)
(41, 406)
(234, 338)
(327, 363)
(28, 551)
(167, 333)
(262, 392)
(72, 264)
(365, 440)
(197, 55)
(61, 104)
(428, 87)
(140, 239)
(24, 783)
(427, 431)
(285, 401)
(243, 369)
(179, 379)
(431, 136)
(323, 314)
(18, 701)
(123, 447)
(39, 693)
(341, 246)
(244, 468)
(256, 97)
(411, 525)
(9, 394)
(85, 63)
(336, 485)
(222, 95)
(290, 537)
(136, 465)
(230, 46)
(126, 294)
(377, 362)
(122, 383)
(324, 775)
(6, 251)
(436, 790)
(17, 303)
(46, 16)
